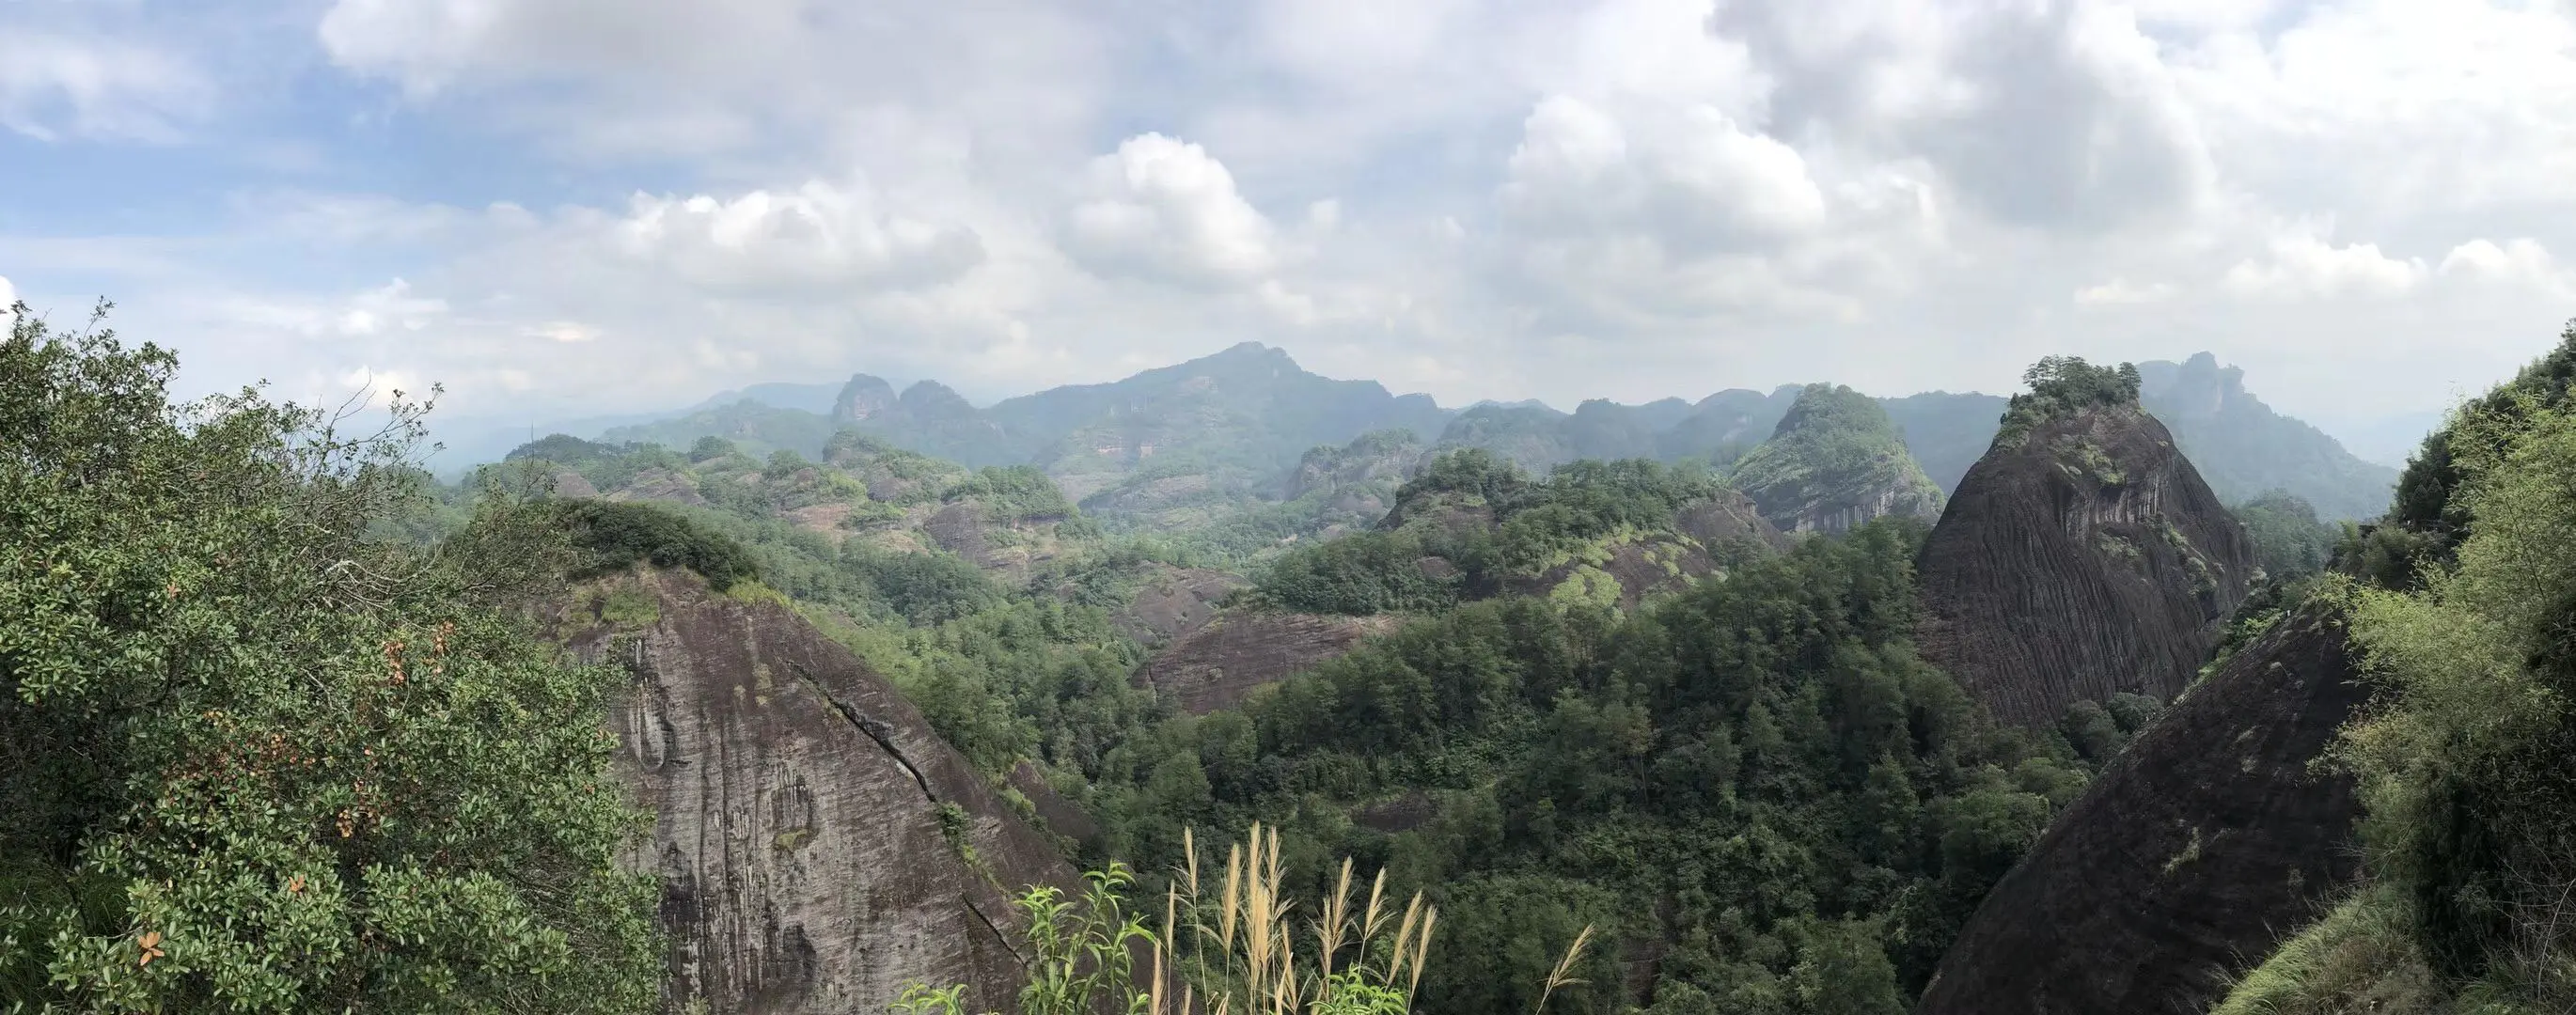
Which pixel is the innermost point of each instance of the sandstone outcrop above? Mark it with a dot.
(1174, 601)
(1219, 665)
(2081, 559)
(819, 847)
(2193, 854)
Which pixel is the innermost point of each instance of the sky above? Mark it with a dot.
(563, 207)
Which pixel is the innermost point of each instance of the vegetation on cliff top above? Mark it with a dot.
(2060, 385)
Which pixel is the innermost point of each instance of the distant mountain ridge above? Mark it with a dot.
(2244, 448)
(1233, 425)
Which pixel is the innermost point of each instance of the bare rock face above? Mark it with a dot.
(819, 847)
(2084, 561)
(2191, 857)
(1173, 602)
(865, 397)
(1218, 665)
(1729, 515)
(571, 485)
(660, 485)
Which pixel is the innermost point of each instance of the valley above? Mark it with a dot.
(1730, 706)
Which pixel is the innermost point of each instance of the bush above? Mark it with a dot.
(619, 535)
(1015, 493)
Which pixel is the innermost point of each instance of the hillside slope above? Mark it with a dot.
(1835, 462)
(2080, 559)
(2198, 848)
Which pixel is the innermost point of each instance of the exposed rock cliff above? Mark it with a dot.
(2079, 560)
(1219, 665)
(2201, 846)
(1174, 601)
(812, 834)
(1835, 462)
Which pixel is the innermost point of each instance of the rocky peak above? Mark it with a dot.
(931, 400)
(865, 397)
(1835, 461)
(2080, 558)
(1378, 458)
(2197, 388)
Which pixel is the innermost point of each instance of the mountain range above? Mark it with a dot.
(1231, 426)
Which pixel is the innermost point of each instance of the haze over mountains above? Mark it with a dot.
(1232, 424)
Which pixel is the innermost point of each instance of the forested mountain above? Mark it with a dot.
(1184, 444)
(2245, 449)
(1835, 462)
(1746, 731)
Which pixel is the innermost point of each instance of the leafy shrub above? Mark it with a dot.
(260, 761)
(1359, 574)
(924, 588)
(619, 535)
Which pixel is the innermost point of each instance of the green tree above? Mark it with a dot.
(258, 761)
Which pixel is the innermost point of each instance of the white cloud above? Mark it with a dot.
(564, 331)
(817, 235)
(1164, 208)
(383, 310)
(1631, 198)
(2305, 267)
(55, 85)
(2520, 262)
(2122, 292)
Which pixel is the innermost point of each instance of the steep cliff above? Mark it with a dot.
(819, 846)
(1836, 461)
(2206, 841)
(2081, 558)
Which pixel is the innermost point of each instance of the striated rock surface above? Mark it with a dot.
(1218, 665)
(2083, 561)
(1174, 601)
(1835, 462)
(808, 824)
(2189, 858)
(1728, 517)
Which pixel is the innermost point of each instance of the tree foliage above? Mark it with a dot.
(1468, 521)
(259, 761)
(1754, 774)
(2289, 540)
(2065, 384)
